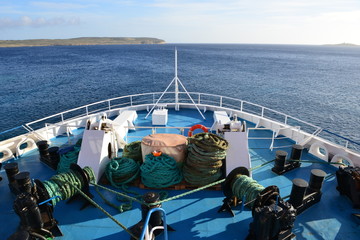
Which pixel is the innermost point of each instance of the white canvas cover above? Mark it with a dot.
(174, 145)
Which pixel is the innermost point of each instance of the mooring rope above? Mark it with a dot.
(160, 172)
(69, 158)
(61, 184)
(246, 187)
(206, 152)
(133, 151)
(120, 171)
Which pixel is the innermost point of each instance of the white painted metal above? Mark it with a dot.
(208, 101)
(94, 151)
(238, 152)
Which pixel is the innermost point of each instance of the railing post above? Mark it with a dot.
(199, 99)
(346, 144)
(131, 101)
(62, 117)
(272, 141)
(87, 111)
(241, 106)
(221, 101)
(109, 104)
(262, 111)
(182, 131)
(286, 119)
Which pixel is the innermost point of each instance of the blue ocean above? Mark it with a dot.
(318, 84)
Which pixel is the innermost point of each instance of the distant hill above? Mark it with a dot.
(343, 44)
(80, 41)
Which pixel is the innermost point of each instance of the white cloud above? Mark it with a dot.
(60, 5)
(26, 21)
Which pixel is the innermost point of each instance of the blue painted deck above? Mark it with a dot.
(194, 216)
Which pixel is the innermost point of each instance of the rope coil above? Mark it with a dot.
(68, 158)
(244, 186)
(120, 171)
(133, 151)
(206, 152)
(62, 184)
(160, 172)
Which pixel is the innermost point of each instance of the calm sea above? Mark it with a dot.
(318, 84)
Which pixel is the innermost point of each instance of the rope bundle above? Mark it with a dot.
(62, 184)
(120, 171)
(68, 158)
(160, 172)
(133, 151)
(206, 153)
(247, 187)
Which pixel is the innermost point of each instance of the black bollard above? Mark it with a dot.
(298, 192)
(11, 170)
(23, 182)
(279, 165)
(54, 157)
(316, 179)
(296, 152)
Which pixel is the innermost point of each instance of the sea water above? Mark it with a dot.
(318, 84)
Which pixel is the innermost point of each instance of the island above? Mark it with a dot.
(343, 45)
(80, 41)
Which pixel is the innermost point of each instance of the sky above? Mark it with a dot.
(185, 21)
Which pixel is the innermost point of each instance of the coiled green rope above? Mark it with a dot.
(120, 171)
(206, 152)
(160, 172)
(62, 184)
(133, 151)
(247, 187)
(69, 158)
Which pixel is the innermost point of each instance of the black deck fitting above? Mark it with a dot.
(273, 218)
(226, 186)
(281, 165)
(348, 179)
(85, 188)
(304, 195)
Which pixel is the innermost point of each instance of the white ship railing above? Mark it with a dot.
(203, 99)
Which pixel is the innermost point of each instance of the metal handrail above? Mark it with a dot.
(215, 100)
(145, 228)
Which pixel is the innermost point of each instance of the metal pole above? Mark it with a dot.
(176, 84)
